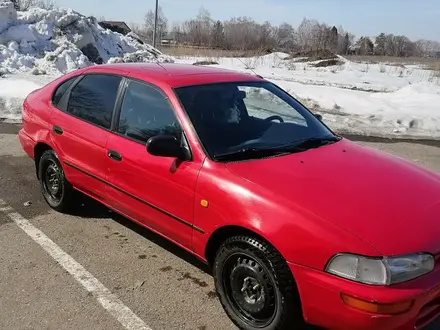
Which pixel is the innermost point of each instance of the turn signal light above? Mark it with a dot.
(375, 307)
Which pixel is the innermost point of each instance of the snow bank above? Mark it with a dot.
(410, 112)
(12, 94)
(61, 40)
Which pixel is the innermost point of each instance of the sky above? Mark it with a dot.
(415, 19)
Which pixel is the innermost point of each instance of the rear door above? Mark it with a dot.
(80, 129)
(156, 191)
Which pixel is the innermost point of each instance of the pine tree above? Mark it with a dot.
(218, 35)
(380, 45)
(334, 39)
(346, 45)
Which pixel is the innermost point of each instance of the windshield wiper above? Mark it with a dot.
(248, 153)
(303, 145)
(314, 142)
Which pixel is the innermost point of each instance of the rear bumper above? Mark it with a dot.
(323, 306)
(27, 143)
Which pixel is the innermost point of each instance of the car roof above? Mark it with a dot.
(174, 74)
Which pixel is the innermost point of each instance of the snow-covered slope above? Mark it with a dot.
(369, 99)
(60, 40)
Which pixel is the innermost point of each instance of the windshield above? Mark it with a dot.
(249, 117)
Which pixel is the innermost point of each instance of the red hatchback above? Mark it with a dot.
(297, 223)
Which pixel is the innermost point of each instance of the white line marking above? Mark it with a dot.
(104, 296)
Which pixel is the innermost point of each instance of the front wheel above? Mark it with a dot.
(255, 286)
(55, 188)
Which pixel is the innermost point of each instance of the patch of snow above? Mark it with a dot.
(61, 40)
(349, 75)
(12, 94)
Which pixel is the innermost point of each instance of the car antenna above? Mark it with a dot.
(158, 63)
(249, 68)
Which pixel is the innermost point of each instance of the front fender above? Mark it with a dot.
(300, 236)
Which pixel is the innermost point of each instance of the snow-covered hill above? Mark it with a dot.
(60, 40)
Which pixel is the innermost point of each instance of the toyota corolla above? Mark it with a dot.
(299, 225)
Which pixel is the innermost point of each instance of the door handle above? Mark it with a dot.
(114, 155)
(57, 130)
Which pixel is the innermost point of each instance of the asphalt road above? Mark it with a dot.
(49, 281)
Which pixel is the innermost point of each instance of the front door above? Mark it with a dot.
(156, 191)
(80, 128)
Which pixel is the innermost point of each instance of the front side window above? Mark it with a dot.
(146, 112)
(250, 120)
(93, 99)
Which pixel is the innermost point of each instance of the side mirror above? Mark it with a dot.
(165, 146)
(318, 116)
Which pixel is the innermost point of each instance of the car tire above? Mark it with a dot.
(255, 286)
(56, 190)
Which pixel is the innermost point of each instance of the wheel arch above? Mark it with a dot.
(39, 149)
(221, 234)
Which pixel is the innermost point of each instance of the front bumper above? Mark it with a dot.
(323, 306)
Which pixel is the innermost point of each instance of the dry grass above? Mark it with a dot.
(435, 69)
(326, 63)
(185, 51)
(396, 61)
(313, 55)
(205, 63)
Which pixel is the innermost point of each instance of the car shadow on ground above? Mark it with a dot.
(89, 208)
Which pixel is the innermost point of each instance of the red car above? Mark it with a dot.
(300, 225)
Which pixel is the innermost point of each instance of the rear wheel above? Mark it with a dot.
(255, 286)
(55, 188)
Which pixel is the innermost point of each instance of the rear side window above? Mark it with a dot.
(146, 112)
(61, 90)
(93, 99)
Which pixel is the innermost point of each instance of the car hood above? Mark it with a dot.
(391, 203)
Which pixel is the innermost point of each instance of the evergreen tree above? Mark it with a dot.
(380, 45)
(334, 39)
(218, 35)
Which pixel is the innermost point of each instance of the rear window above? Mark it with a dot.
(61, 90)
(93, 99)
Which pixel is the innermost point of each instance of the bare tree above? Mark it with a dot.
(427, 47)
(243, 33)
(162, 24)
(285, 36)
(305, 34)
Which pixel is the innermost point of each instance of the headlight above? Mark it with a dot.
(380, 271)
